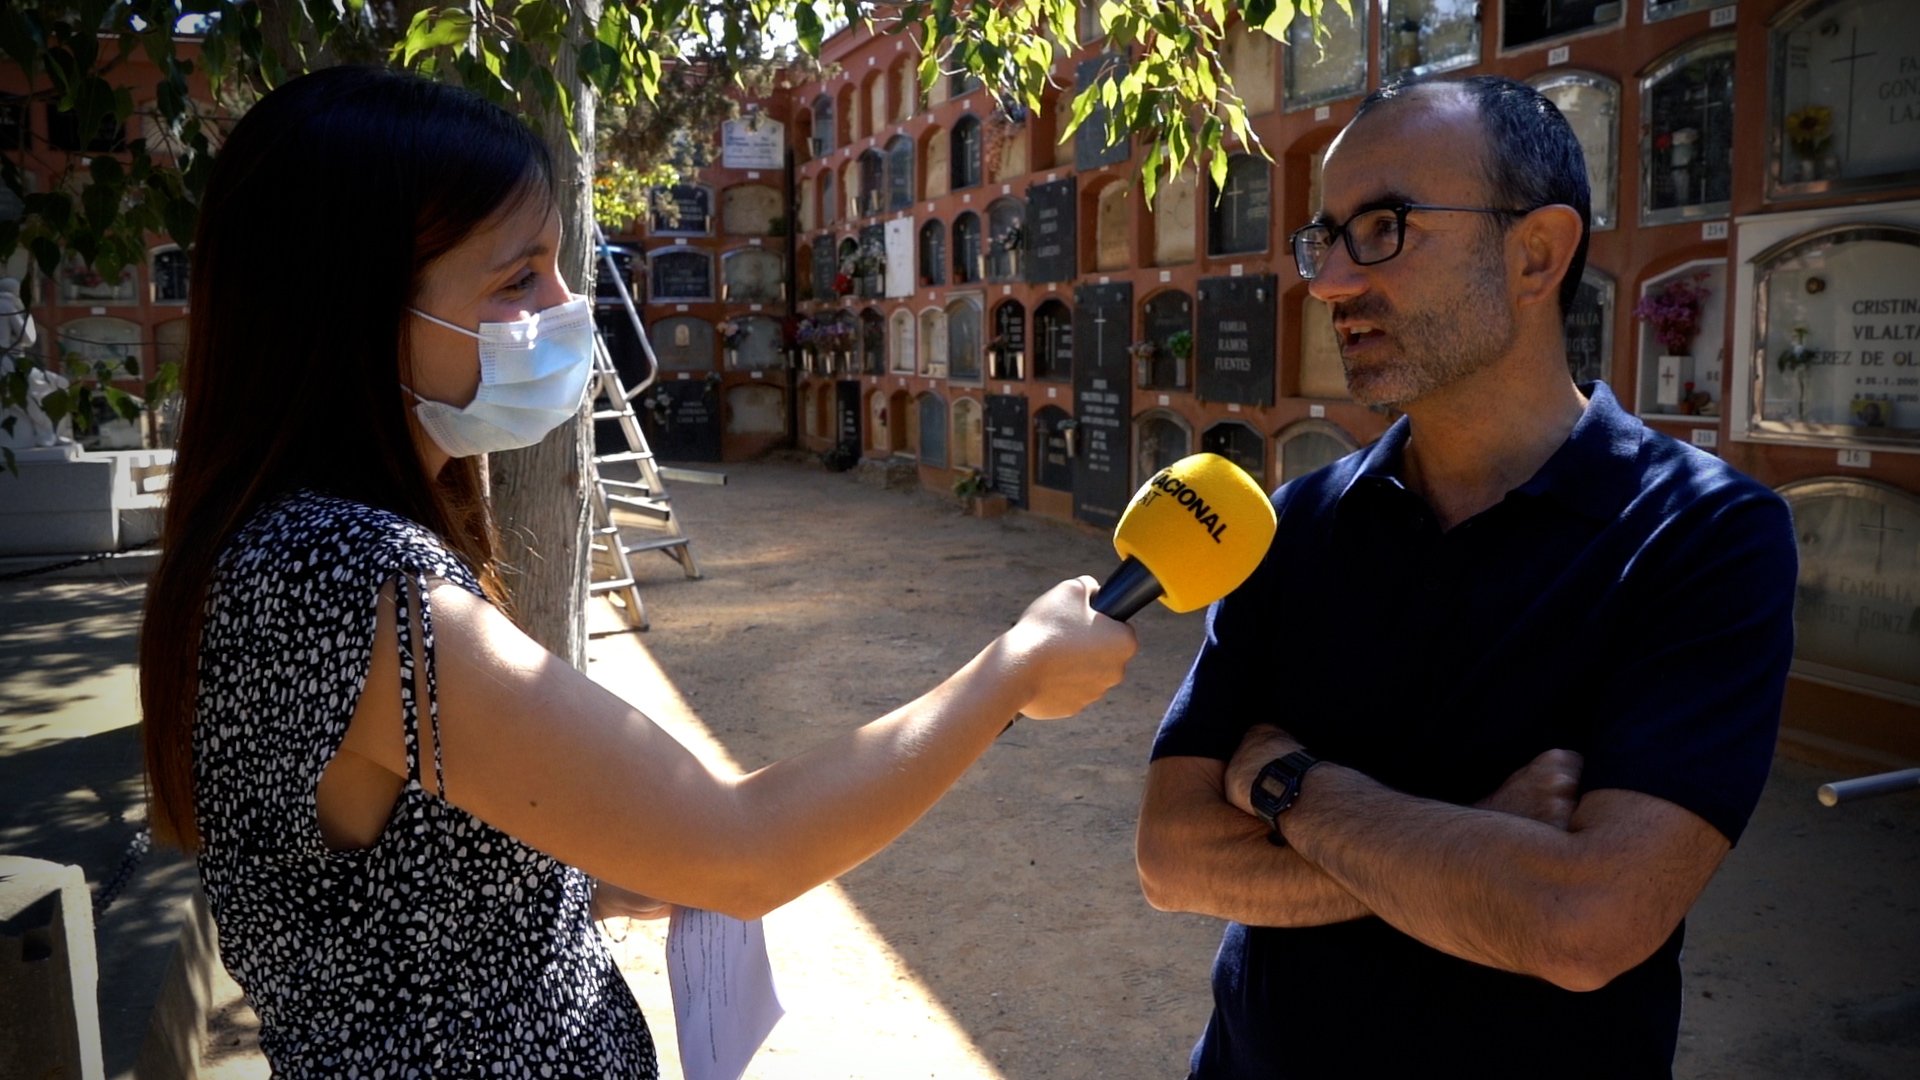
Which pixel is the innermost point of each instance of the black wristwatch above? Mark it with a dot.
(1276, 787)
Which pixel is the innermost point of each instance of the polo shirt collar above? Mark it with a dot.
(1592, 471)
(1586, 473)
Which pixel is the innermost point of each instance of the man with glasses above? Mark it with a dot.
(1457, 759)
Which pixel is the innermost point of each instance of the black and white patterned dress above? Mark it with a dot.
(446, 949)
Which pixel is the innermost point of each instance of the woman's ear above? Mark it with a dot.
(1547, 238)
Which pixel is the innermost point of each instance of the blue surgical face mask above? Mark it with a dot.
(533, 377)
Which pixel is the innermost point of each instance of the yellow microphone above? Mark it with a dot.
(1190, 536)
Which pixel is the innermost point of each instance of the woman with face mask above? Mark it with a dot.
(399, 802)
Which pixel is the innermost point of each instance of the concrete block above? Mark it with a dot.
(59, 506)
(49, 974)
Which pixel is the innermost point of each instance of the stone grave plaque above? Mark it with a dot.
(1854, 611)
(1009, 340)
(751, 210)
(1007, 446)
(1167, 314)
(1053, 466)
(1589, 326)
(1103, 323)
(1240, 220)
(1239, 444)
(1090, 149)
(753, 142)
(898, 244)
(753, 276)
(1527, 22)
(760, 347)
(846, 407)
(756, 409)
(1235, 339)
(1053, 247)
(826, 264)
(1052, 341)
(933, 430)
(683, 343)
(692, 205)
(605, 291)
(682, 419)
(682, 275)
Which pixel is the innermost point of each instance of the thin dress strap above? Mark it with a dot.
(404, 593)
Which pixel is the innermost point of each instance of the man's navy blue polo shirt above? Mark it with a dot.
(1633, 601)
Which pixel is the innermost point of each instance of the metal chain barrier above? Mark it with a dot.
(110, 890)
(49, 568)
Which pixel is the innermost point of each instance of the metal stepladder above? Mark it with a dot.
(645, 497)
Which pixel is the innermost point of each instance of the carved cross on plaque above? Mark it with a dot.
(1880, 550)
(1667, 377)
(1232, 197)
(1852, 60)
(1099, 336)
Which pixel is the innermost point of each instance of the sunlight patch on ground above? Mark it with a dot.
(865, 1015)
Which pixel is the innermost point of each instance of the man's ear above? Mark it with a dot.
(1546, 242)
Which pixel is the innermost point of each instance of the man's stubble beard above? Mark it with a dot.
(1436, 347)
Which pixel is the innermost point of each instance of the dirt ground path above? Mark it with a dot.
(1005, 935)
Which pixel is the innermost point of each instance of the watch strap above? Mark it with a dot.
(1275, 789)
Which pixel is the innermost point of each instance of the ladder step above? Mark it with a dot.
(599, 587)
(611, 414)
(654, 545)
(637, 485)
(624, 455)
(692, 476)
(653, 507)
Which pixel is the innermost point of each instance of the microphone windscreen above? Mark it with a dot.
(1201, 525)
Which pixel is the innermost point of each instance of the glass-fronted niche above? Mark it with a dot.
(1680, 318)
(1835, 351)
(1843, 101)
(1421, 37)
(1589, 329)
(1686, 143)
(1591, 104)
(1528, 23)
(1333, 67)
(1853, 610)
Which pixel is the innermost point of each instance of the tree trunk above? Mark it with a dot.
(540, 493)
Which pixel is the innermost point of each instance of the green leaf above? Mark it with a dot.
(124, 404)
(436, 28)
(1276, 24)
(57, 405)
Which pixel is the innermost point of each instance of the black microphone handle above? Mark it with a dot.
(1129, 588)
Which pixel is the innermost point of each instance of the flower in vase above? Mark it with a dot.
(1810, 129)
(1673, 310)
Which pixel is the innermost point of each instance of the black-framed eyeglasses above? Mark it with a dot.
(1372, 236)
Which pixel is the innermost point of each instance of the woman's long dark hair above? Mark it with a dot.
(328, 201)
